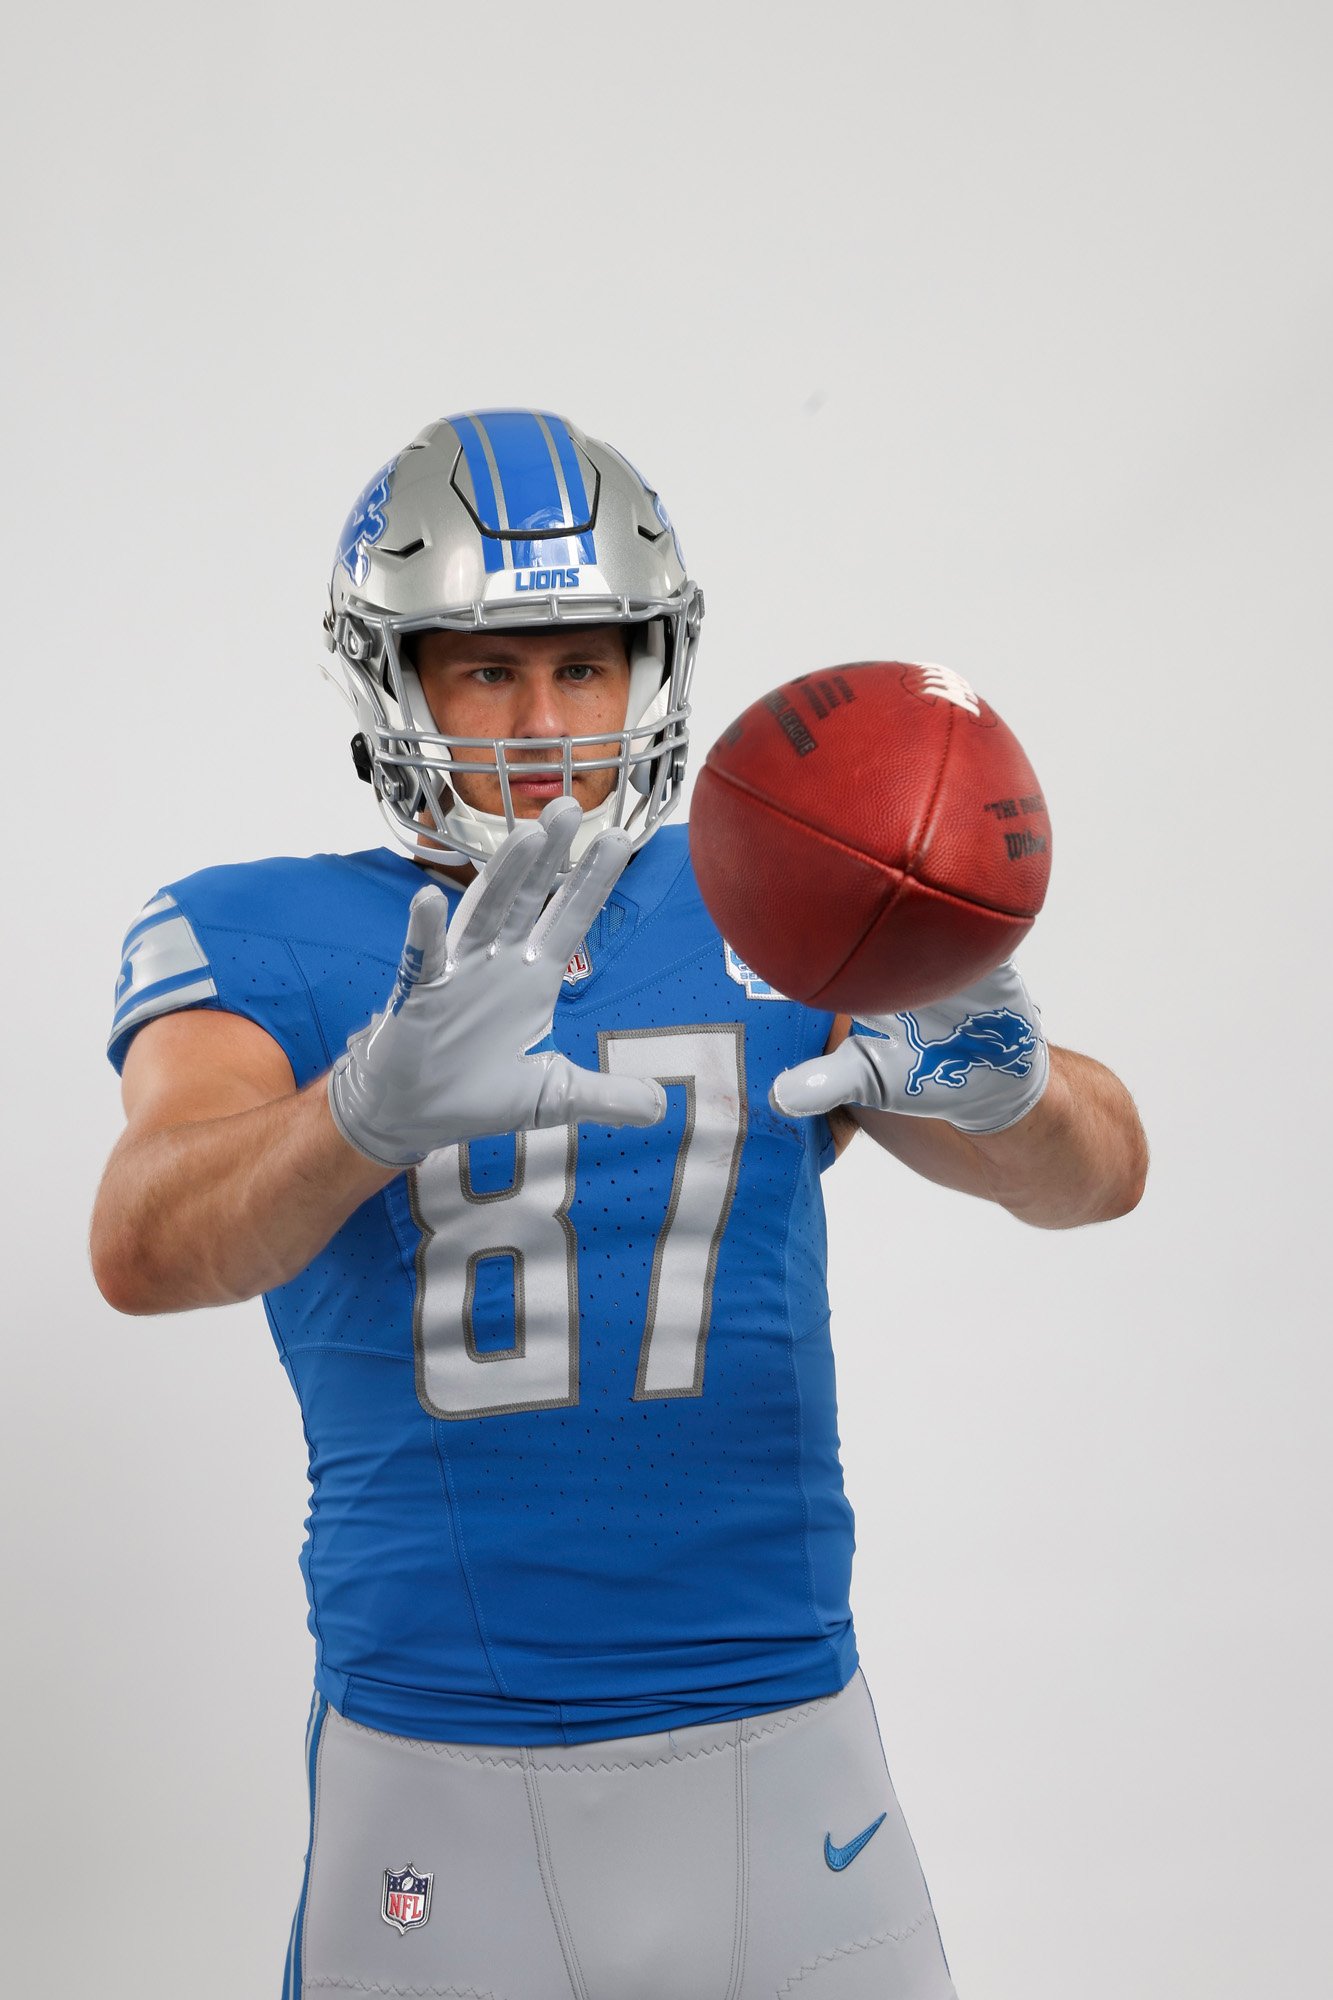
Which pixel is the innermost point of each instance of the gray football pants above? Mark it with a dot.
(725, 1862)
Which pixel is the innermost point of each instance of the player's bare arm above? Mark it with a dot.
(226, 1180)
(1067, 1146)
(226, 1184)
(1079, 1156)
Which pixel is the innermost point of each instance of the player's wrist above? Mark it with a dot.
(356, 1129)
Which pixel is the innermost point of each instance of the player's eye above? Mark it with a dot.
(492, 676)
(579, 672)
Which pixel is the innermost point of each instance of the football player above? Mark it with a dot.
(527, 1166)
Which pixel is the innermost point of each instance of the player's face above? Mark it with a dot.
(527, 685)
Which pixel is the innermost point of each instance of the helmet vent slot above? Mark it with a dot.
(408, 549)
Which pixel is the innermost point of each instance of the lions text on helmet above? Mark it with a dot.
(500, 524)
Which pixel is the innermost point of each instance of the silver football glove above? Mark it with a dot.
(453, 1055)
(978, 1060)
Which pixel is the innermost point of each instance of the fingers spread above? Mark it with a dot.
(504, 901)
(578, 899)
(489, 897)
(424, 948)
(559, 823)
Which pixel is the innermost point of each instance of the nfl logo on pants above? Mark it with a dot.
(406, 1900)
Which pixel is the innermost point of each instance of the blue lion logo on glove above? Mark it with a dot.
(999, 1040)
(365, 524)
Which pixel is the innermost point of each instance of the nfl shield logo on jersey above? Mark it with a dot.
(406, 1900)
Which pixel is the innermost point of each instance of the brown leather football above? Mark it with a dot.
(871, 837)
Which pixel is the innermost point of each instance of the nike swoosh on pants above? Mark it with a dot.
(842, 1857)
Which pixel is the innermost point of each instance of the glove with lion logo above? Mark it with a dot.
(977, 1060)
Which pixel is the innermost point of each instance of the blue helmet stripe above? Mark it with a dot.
(569, 465)
(577, 491)
(525, 474)
(483, 489)
(527, 479)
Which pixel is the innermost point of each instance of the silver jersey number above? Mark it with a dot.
(527, 1224)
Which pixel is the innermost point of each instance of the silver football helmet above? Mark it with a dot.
(509, 519)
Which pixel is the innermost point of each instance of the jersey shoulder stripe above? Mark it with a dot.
(163, 967)
(261, 939)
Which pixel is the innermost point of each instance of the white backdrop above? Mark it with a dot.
(994, 334)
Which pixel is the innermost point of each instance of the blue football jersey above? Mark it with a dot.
(569, 1395)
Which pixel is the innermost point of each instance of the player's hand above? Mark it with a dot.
(453, 1056)
(978, 1060)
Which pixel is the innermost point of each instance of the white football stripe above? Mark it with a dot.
(943, 681)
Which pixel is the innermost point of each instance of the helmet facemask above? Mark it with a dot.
(411, 762)
(428, 541)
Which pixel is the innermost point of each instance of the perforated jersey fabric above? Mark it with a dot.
(569, 1398)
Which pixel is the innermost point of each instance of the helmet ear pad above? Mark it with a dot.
(418, 715)
(417, 710)
(649, 693)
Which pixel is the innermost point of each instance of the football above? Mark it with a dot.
(871, 837)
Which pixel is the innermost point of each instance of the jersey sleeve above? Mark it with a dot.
(190, 947)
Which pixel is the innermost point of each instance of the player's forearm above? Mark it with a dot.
(1079, 1155)
(209, 1213)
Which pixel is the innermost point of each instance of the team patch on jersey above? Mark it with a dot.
(405, 1902)
(164, 967)
(999, 1040)
(755, 987)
